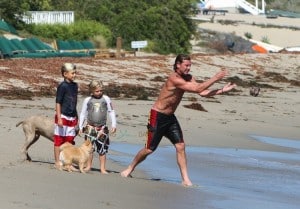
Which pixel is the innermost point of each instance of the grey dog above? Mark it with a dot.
(34, 127)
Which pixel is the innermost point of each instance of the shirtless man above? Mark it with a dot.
(163, 122)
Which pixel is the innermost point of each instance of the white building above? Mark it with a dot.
(231, 5)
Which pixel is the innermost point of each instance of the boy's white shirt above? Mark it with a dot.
(84, 112)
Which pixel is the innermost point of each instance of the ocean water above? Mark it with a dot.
(237, 178)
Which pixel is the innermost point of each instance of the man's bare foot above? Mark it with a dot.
(126, 174)
(187, 184)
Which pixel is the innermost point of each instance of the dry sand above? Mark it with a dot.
(228, 122)
(281, 37)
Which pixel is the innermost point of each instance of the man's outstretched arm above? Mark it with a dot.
(210, 93)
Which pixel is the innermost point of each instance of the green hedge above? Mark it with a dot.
(80, 30)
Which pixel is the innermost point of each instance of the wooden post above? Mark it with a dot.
(119, 47)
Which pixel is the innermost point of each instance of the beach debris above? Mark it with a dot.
(195, 106)
(254, 91)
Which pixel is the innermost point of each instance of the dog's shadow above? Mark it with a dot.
(39, 162)
(96, 170)
(52, 164)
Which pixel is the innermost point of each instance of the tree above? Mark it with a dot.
(38, 5)
(163, 22)
(12, 12)
(63, 5)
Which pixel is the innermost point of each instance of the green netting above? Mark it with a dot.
(33, 48)
(7, 49)
(14, 48)
(31, 55)
(76, 45)
(4, 26)
(12, 29)
(29, 45)
(63, 45)
(19, 45)
(41, 45)
(87, 44)
(38, 46)
(7, 27)
(71, 48)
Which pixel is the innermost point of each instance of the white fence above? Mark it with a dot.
(49, 17)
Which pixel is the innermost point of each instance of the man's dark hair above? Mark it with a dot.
(179, 59)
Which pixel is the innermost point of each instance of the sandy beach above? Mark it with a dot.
(279, 32)
(242, 151)
(228, 123)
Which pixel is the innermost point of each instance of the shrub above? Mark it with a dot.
(248, 35)
(80, 30)
(150, 46)
(265, 39)
(99, 41)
